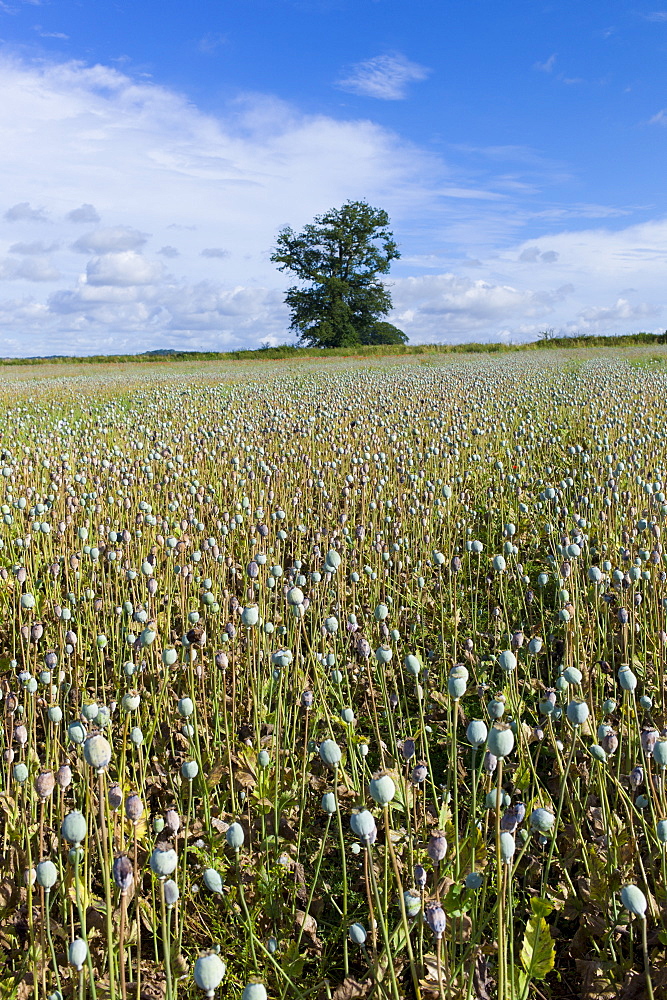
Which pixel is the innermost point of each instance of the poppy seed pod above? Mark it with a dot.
(209, 972)
(171, 892)
(78, 953)
(357, 934)
(597, 752)
(476, 732)
(213, 880)
(507, 660)
(123, 873)
(363, 826)
(542, 820)
(660, 753)
(115, 796)
(329, 803)
(382, 789)
(434, 915)
(46, 874)
(634, 900)
(163, 863)
(507, 846)
(190, 769)
(250, 615)
(134, 808)
(44, 784)
(64, 776)
(535, 645)
(627, 679)
(437, 846)
(97, 752)
(254, 991)
(577, 712)
(235, 836)
(412, 664)
(500, 740)
(412, 902)
(330, 753)
(74, 828)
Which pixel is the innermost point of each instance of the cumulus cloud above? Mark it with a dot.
(533, 254)
(215, 252)
(244, 173)
(122, 269)
(112, 240)
(29, 269)
(85, 213)
(385, 77)
(24, 212)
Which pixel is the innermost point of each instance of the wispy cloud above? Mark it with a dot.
(548, 65)
(214, 252)
(384, 77)
(656, 15)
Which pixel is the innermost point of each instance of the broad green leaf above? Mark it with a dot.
(538, 955)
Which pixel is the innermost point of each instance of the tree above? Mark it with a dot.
(339, 257)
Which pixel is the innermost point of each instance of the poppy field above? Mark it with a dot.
(335, 679)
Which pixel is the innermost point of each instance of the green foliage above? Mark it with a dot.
(384, 333)
(339, 258)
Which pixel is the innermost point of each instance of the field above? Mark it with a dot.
(335, 678)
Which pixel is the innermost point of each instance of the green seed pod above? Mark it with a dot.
(330, 753)
(163, 863)
(78, 953)
(185, 707)
(507, 846)
(169, 656)
(47, 874)
(213, 880)
(577, 712)
(660, 753)
(97, 752)
(254, 991)
(382, 789)
(507, 660)
(634, 900)
(500, 740)
(542, 820)
(329, 803)
(190, 769)
(597, 752)
(661, 831)
(74, 828)
(357, 934)
(235, 836)
(209, 972)
(250, 615)
(476, 732)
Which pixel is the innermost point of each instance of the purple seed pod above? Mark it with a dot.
(307, 699)
(623, 616)
(134, 808)
(609, 743)
(490, 762)
(44, 784)
(123, 873)
(408, 749)
(419, 773)
(172, 821)
(649, 737)
(437, 846)
(420, 876)
(434, 915)
(636, 777)
(115, 796)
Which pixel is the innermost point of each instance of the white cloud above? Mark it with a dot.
(112, 240)
(24, 212)
(548, 64)
(121, 269)
(90, 142)
(85, 213)
(34, 247)
(385, 77)
(29, 269)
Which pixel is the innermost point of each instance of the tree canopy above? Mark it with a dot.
(339, 258)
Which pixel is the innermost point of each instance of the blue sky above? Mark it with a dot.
(153, 150)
